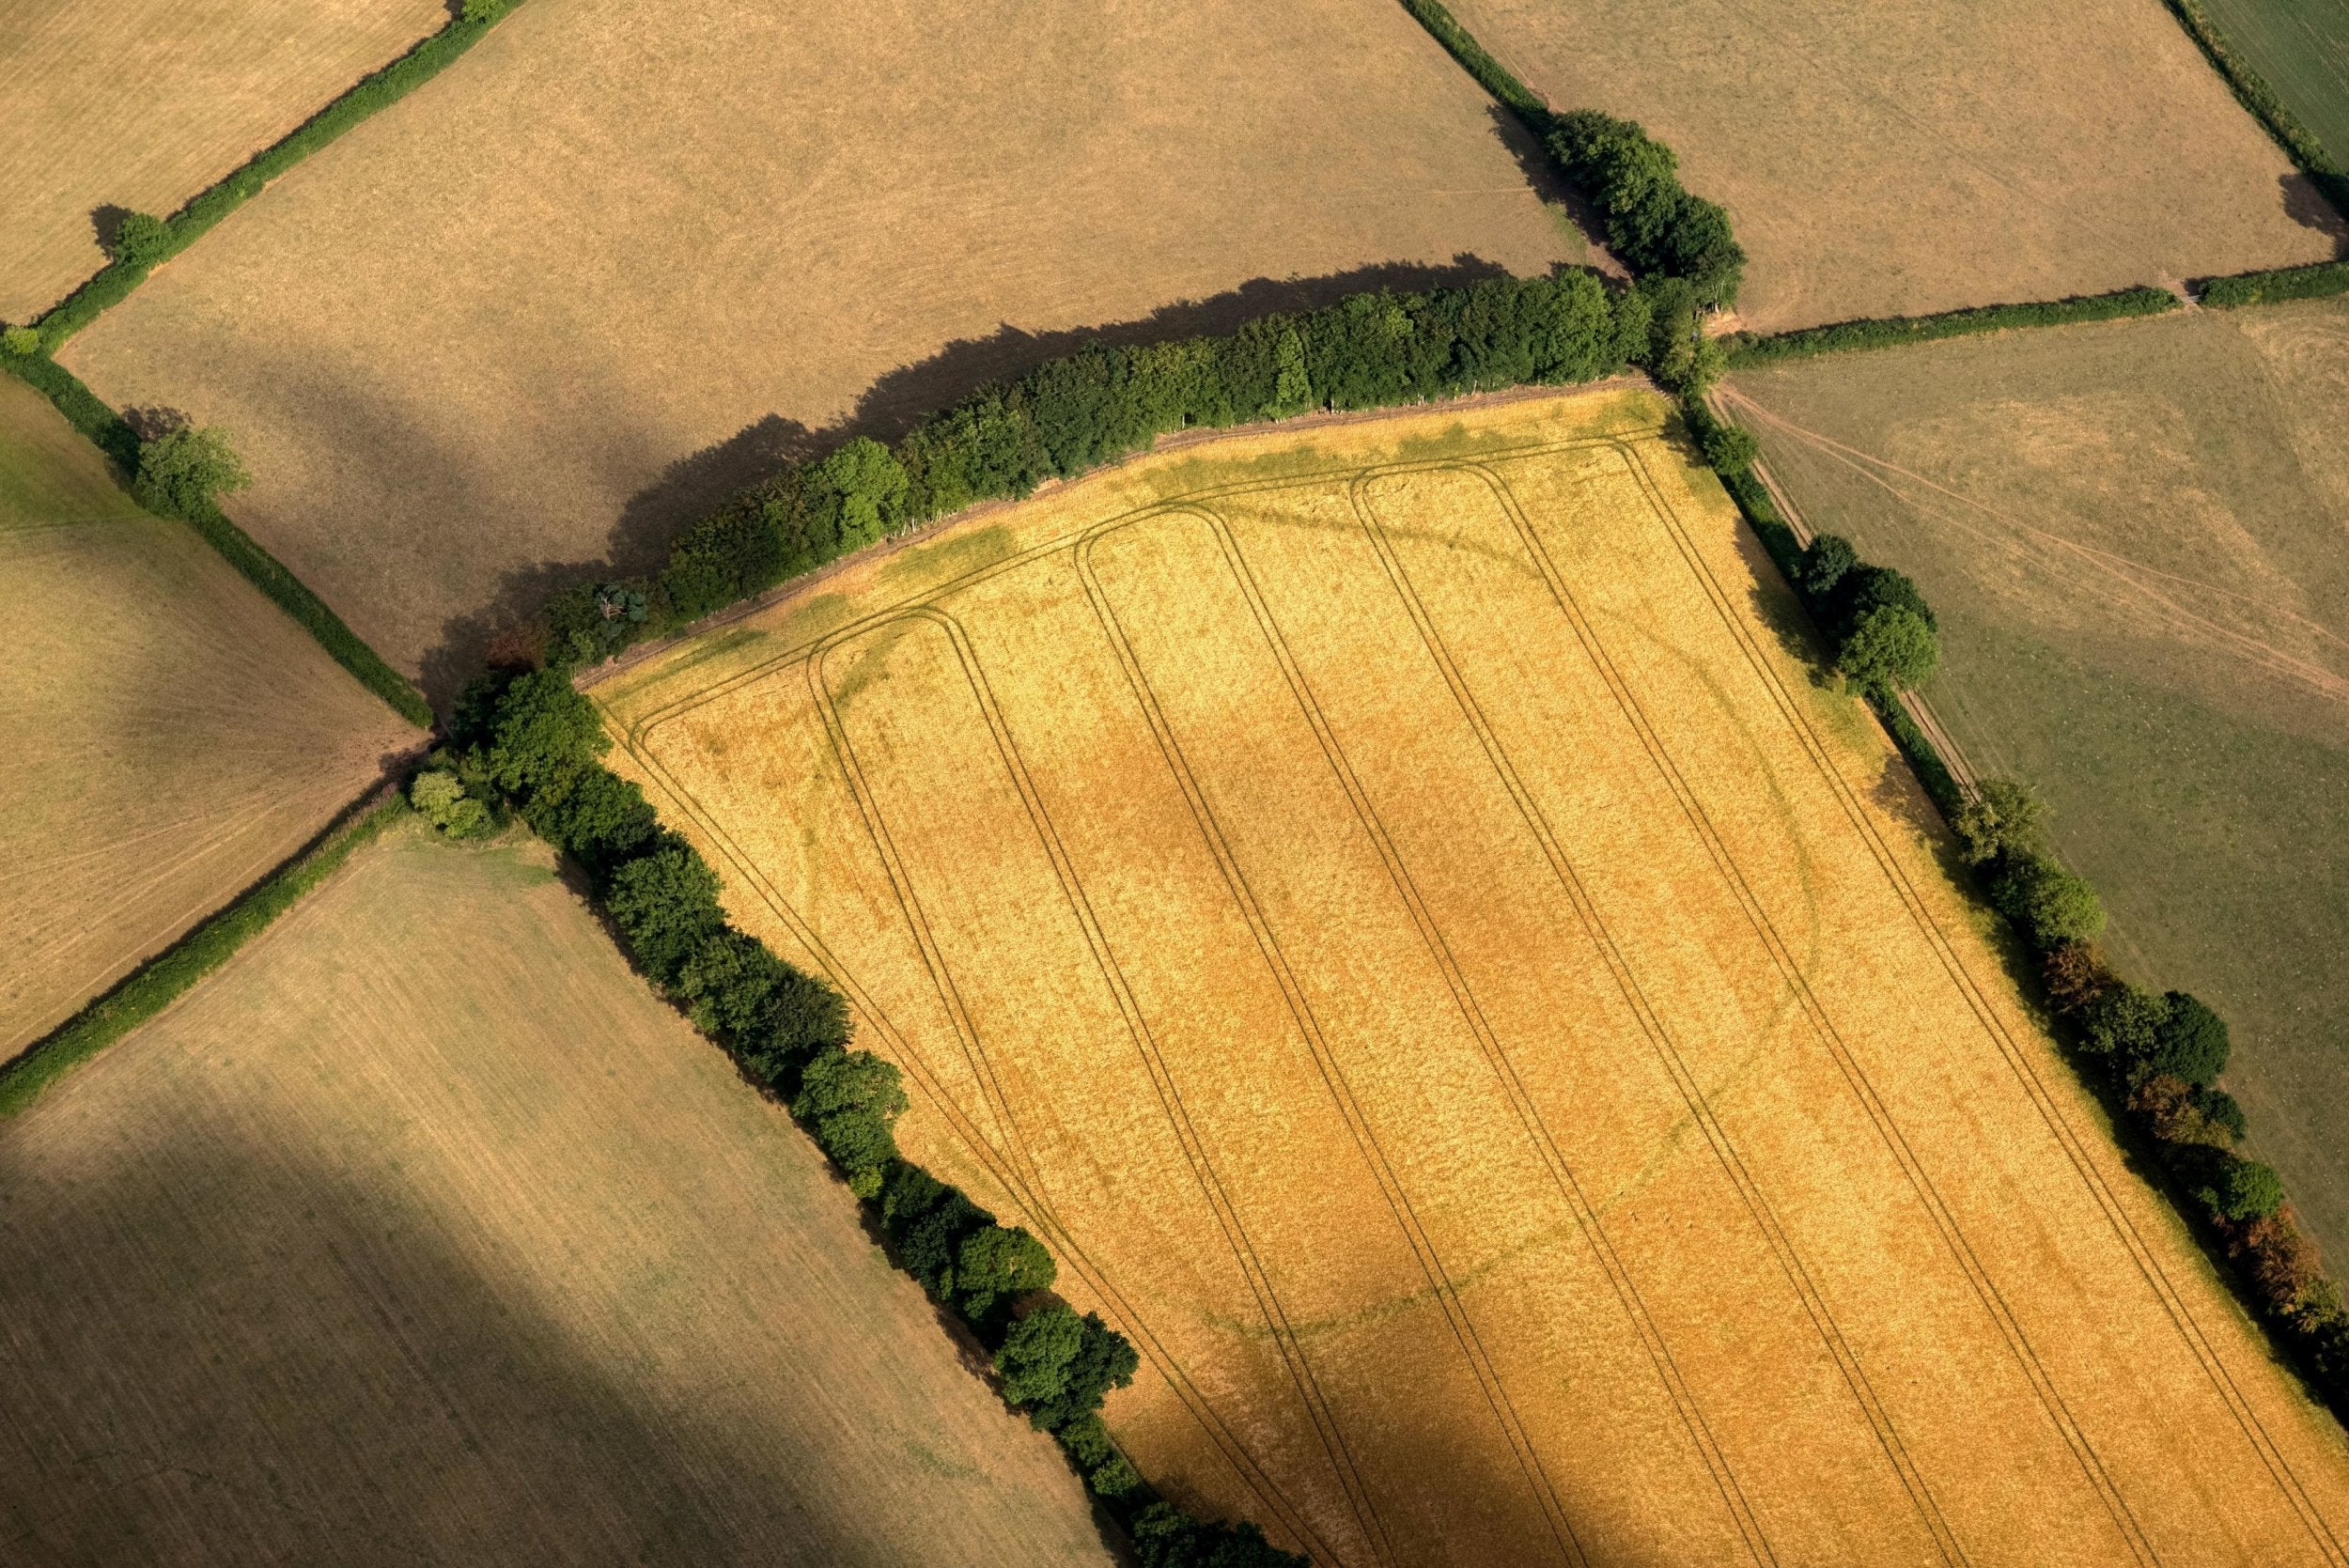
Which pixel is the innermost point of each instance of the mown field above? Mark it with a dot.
(2302, 48)
(1897, 159)
(668, 243)
(423, 1232)
(175, 734)
(2134, 537)
(141, 104)
(1387, 906)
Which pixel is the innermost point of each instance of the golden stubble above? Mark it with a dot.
(1384, 906)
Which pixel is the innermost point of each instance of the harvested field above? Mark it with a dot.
(141, 104)
(1385, 904)
(667, 244)
(423, 1232)
(2302, 48)
(174, 733)
(1884, 160)
(2136, 538)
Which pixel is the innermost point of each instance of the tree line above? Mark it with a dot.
(527, 744)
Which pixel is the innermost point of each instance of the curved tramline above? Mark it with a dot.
(1377, 904)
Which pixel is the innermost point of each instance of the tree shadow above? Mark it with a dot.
(254, 1357)
(2306, 203)
(105, 222)
(1542, 173)
(695, 484)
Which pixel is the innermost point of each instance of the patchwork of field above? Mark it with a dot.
(667, 243)
(2302, 48)
(2137, 539)
(175, 734)
(1386, 904)
(141, 104)
(1886, 160)
(423, 1232)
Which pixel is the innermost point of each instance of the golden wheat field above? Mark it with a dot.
(141, 104)
(423, 1232)
(623, 257)
(1387, 905)
(174, 733)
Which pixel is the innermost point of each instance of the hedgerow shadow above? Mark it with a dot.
(696, 484)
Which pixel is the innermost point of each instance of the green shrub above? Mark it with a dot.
(1891, 331)
(1730, 448)
(1889, 649)
(1653, 225)
(997, 1264)
(1826, 561)
(2003, 818)
(2050, 904)
(2122, 1023)
(2220, 1109)
(181, 471)
(2190, 1041)
(542, 733)
(1036, 1351)
(2287, 283)
(2244, 1189)
(140, 239)
(667, 903)
(439, 797)
(19, 341)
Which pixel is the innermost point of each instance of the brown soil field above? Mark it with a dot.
(2137, 539)
(174, 735)
(1885, 160)
(423, 1232)
(622, 258)
(141, 104)
(1387, 905)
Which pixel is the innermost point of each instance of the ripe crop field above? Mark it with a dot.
(1386, 905)
(2302, 48)
(174, 733)
(1898, 160)
(423, 1232)
(622, 257)
(141, 104)
(2134, 537)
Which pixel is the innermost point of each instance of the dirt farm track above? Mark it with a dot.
(1389, 906)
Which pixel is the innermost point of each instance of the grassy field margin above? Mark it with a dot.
(2274, 116)
(114, 436)
(379, 89)
(157, 983)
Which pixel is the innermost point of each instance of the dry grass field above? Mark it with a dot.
(1901, 158)
(175, 734)
(1386, 904)
(422, 1233)
(623, 256)
(141, 104)
(2136, 538)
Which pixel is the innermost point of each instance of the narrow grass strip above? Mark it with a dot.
(1490, 74)
(2283, 283)
(107, 429)
(159, 982)
(112, 283)
(1891, 331)
(2251, 90)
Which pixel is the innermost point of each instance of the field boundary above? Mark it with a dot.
(162, 979)
(377, 90)
(112, 435)
(1744, 350)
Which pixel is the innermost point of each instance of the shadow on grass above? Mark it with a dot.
(697, 484)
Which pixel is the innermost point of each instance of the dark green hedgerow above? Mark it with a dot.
(530, 744)
(2283, 283)
(114, 436)
(159, 982)
(113, 281)
(1891, 331)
